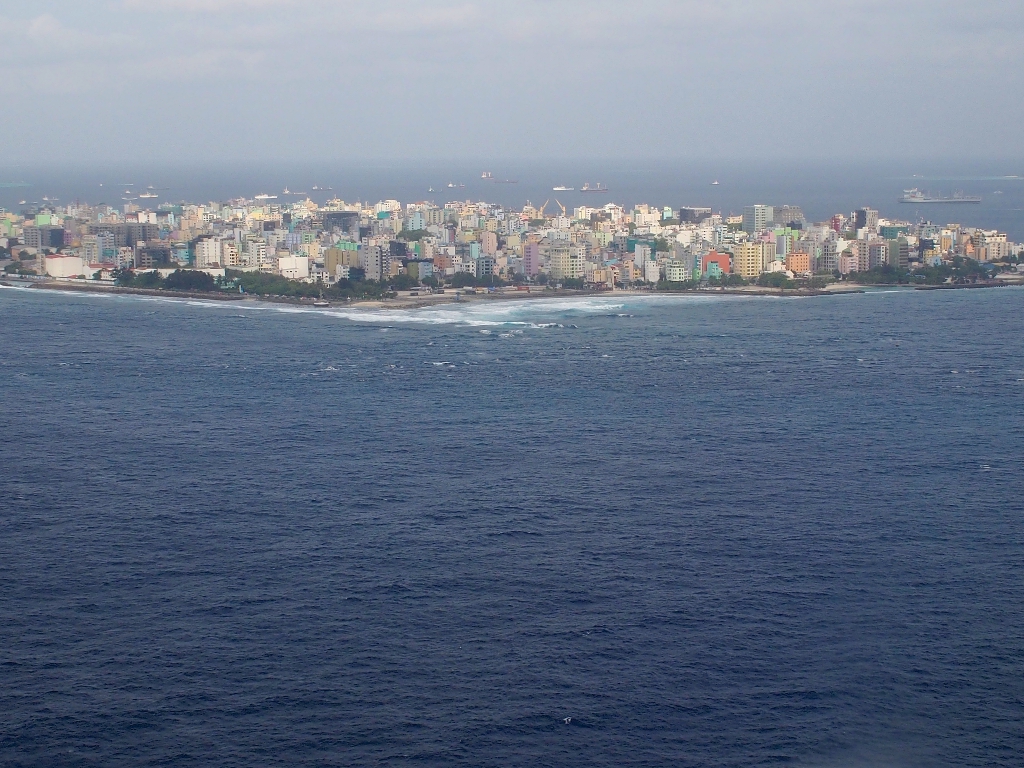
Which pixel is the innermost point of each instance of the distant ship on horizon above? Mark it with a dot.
(587, 188)
(917, 196)
(563, 189)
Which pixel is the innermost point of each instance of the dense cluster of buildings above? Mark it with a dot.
(601, 246)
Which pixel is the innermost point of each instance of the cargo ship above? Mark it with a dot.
(588, 188)
(917, 196)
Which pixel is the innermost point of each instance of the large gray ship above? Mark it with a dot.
(917, 196)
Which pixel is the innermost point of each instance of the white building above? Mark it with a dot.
(677, 273)
(652, 271)
(294, 267)
(208, 253)
(65, 266)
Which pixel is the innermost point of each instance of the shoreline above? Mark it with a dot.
(430, 300)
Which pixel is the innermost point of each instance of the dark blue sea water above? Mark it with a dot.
(603, 532)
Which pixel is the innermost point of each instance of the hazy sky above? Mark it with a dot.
(289, 79)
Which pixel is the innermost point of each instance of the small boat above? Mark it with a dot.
(563, 189)
(714, 183)
(321, 304)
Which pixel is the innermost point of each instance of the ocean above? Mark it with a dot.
(821, 189)
(605, 531)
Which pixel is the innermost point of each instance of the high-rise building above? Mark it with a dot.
(899, 254)
(371, 259)
(798, 263)
(787, 214)
(652, 271)
(46, 236)
(208, 252)
(830, 251)
(757, 218)
(689, 215)
(256, 252)
(878, 253)
(484, 266)
(866, 218)
(489, 243)
(531, 259)
(567, 262)
(719, 259)
(747, 259)
(341, 255)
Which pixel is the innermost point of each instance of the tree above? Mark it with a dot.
(148, 280)
(189, 280)
(402, 282)
(775, 280)
(123, 276)
(463, 280)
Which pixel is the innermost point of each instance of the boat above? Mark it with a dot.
(430, 190)
(563, 189)
(149, 195)
(587, 188)
(487, 176)
(452, 185)
(321, 303)
(917, 196)
(265, 196)
(714, 183)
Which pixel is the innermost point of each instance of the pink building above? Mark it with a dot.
(848, 262)
(531, 259)
(489, 243)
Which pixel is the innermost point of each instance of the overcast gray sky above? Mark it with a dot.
(289, 79)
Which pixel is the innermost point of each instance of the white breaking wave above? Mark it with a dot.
(532, 313)
(484, 313)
